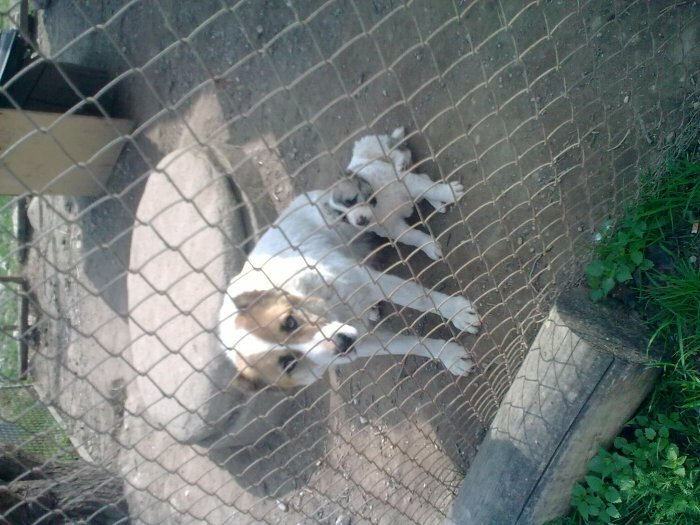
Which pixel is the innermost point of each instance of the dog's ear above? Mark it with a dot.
(245, 300)
(367, 191)
(245, 384)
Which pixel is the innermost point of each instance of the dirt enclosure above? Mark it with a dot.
(546, 112)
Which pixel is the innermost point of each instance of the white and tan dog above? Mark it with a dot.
(388, 192)
(305, 301)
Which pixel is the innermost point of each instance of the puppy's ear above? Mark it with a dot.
(367, 191)
(365, 188)
(247, 299)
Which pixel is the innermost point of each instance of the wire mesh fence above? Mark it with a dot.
(158, 142)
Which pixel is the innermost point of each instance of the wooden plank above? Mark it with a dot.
(582, 380)
(52, 153)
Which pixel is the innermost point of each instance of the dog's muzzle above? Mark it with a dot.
(343, 343)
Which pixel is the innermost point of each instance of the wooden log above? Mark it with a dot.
(584, 377)
(33, 491)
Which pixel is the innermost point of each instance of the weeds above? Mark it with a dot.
(661, 219)
(645, 480)
(619, 255)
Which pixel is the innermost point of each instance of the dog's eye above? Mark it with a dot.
(288, 363)
(373, 201)
(350, 202)
(290, 324)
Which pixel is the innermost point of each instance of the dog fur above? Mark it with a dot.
(305, 301)
(387, 191)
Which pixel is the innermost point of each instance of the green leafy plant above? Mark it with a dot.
(662, 217)
(620, 253)
(645, 480)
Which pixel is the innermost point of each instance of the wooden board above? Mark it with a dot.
(51, 153)
(582, 380)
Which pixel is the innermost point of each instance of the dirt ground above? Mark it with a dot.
(545, 111)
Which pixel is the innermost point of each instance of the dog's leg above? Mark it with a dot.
(439, 195)
(401, 159)
(457, 309)
(397, 229)
(382, 342)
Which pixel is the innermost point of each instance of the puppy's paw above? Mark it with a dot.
(457, 190)
(373, 314)
(401, 159)
(455, 359)
(432, 250)
(462, 314)
(440, 207)
(442, 195)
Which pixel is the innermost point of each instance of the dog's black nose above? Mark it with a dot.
(362, 221)
(343, 343)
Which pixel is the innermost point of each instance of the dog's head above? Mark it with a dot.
(282, 340)
(351, 200)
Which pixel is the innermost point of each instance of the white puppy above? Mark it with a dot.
(382, 163)
(305, 301)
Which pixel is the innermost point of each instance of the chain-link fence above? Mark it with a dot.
(545, 112)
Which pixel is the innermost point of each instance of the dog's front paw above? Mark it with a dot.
(440, 207)
(462, 314)
(442, 195)
(455, 359)
(373, 314)
(457, 191)
(432, 250)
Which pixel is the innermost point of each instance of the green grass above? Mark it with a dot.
(27, 424)
(5, 21)
(9, 367)
(652, 474)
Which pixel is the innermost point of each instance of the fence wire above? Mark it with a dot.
(159, 140)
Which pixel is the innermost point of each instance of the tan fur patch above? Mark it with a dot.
(265, 369)
(266, 315)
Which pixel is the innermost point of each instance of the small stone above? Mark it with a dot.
(259, 30)
(282, 506)
(626, 99)
(385, 92)
(363, 420)
(519, 240)
(342, 520)
(692, 259)
(579, 229)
